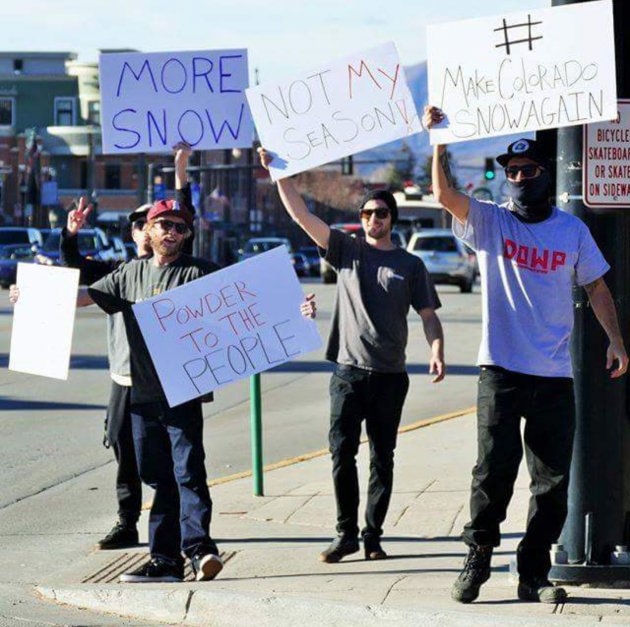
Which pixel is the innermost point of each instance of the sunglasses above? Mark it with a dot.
(380, 213)
(139, 224)
(528, 171)
(168, 225)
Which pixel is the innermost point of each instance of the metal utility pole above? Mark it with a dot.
(599, 494)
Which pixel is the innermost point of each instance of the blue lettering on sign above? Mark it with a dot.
(226, 124)
(145, 66)
(198, 74)
(125, 130)
(163, 135)
(174, 91)
(179, 127)
(223, 74)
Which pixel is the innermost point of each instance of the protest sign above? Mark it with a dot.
(607, 161)
(43, 320)
(226, 326)
(149, 102)
(333, 111)
(523, 71)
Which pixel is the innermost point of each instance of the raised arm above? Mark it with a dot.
(315, 228)
(604, 307)
(454, 202)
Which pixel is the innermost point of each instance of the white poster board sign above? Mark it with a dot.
(607, 161)
(338, 109)
(149, 102)
(226, 326)
(43, 320)
(525, 71)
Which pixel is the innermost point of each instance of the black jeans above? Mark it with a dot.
(355, 395)
(548, 406)
(169, 446)
(128, 484)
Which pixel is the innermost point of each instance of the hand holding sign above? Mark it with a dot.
(78, 216)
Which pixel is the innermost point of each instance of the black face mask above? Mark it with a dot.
(530, 197)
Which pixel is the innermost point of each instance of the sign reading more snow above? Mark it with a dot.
(607, 161)
(523, 71)
(339, 109)
(149, 102)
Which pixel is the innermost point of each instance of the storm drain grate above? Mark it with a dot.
(126, 562)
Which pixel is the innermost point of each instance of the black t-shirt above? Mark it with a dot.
(375, 289)
(131, 283)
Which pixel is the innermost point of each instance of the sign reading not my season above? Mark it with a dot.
(336, 110)
(226, 326)
(149, 102)
(523, 71)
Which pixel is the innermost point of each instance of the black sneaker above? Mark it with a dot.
(206, 566)
(475, 573)
(122, 536)
(373, 549)
(540, 590)
(156, 570)
(340, 547)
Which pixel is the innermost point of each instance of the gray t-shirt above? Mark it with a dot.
(132, 283)
(375, 289)
(527, 275)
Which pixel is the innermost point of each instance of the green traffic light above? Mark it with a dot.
(490, 175)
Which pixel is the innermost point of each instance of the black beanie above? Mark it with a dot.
(387, 197)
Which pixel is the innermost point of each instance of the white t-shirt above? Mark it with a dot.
(527, 276)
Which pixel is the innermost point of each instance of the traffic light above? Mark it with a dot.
(489, 169)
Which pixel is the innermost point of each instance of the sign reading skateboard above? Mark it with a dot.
(149, 102)
(607, 161)
(226, 326)
(523, 71)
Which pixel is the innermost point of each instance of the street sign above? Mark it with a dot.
(606, 160)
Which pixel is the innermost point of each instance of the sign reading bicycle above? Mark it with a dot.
(149, 102)
(607, 161)
(523, 71)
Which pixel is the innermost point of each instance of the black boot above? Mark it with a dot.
(475, 573)
(540, 590)
(123, 535)
(340, 547)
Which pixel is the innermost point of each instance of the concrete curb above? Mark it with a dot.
(204, 608)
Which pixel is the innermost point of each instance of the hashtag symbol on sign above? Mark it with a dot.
(506, 34)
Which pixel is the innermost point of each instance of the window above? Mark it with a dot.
(112, 176)
(437, 244)
(94, 112)
(64, 112)
(18, 66)
(7, 112)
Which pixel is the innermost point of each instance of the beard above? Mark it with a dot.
(378, 232)
(161, 246)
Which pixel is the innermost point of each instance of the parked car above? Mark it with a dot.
(353, 229)
(312, 255)
(259, 245)
(92, 243)
(10, 256)
(399, 239)
(300, 264)
(10, 235)
(445, 257)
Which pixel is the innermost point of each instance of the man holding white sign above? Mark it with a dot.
(530, 255)
(378, 283)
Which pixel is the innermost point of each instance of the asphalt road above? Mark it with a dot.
(57, 479)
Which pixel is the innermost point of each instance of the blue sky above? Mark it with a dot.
(283, 36)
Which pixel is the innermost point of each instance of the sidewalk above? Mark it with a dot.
(273, 576)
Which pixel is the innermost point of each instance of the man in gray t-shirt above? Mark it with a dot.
(377, 284)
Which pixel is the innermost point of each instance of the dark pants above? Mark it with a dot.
(548, 406)
(169, 446)
(378, 398)
(120, 437)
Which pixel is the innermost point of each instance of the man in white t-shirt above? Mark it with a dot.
(531, 254)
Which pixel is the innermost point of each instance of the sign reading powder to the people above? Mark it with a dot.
(607, 161)
(523, 71)
(226, 326)
(150, 102)
(336, 110)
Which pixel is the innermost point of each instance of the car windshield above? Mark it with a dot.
(437, 244)
(14, 237)
(261, 247)
(86, 242)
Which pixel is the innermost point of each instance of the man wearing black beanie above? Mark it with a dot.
(377, 283)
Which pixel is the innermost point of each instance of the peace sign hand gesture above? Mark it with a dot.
(78, 216)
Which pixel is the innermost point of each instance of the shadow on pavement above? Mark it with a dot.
(77, 362)
(327, 366)
(15, 404)
(385, 539)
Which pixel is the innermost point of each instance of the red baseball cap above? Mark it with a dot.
(170, 208)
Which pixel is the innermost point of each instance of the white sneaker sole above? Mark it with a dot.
(140, 579)
(209, 567)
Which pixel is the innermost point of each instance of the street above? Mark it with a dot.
(58, 479)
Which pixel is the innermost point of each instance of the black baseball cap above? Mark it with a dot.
(529, 148)
(140, 213)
